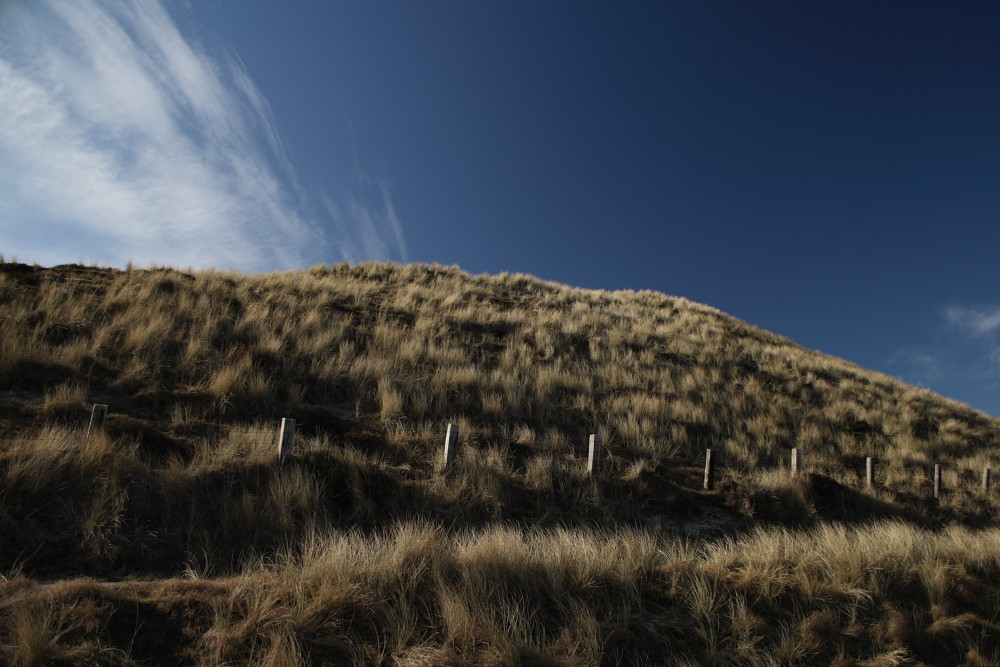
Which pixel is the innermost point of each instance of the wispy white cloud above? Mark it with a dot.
(961, 357)
(981, 328)
(122, 138)
(979, 322)
(963, 354)
(994, 364)
(917, 366)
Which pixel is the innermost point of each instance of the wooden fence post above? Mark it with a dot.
(97, 416)
(594, 455)
(937, 480)
(796, 460)
(286, 439)
(450, 445)
(870, 471)
(709, 470)
(987, 473)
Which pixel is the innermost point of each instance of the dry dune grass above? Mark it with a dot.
(425, 342)
(364, 549)
(660, 378)
(414, 594)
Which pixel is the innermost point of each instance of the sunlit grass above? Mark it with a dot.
(364, 549)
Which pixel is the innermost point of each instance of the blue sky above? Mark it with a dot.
(827, 171)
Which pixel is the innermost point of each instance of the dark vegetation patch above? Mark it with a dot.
(373, 362)
(29, 374)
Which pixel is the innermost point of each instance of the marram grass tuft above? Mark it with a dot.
(173, 535)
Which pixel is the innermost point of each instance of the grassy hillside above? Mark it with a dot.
(172, 535)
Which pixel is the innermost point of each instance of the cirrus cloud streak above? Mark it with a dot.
(123, 139)
(978, 322)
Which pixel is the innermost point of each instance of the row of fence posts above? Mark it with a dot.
(286, 433)
(451, 444)
(796, 468)
(286, 443)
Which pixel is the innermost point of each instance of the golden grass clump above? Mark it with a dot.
(362, 548)
(415, 593)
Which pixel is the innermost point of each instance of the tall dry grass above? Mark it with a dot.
(660, 378)
(364, 549)
(415, 594)
(663, 377)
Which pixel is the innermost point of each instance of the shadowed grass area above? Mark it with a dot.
(884, 593)
(363, 549)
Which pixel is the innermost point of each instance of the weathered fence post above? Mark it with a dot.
(987, 473)
(97, 415)
(937, 480)
(796, 460)
(450, 445)
(709, 470)
(870, 471)
(594, 455)
(286, 439)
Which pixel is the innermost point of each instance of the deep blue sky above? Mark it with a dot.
(827, 171)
